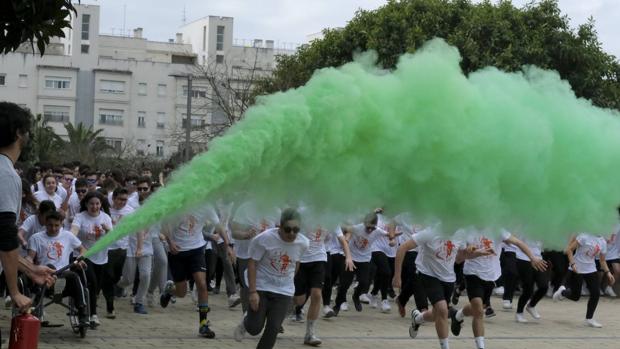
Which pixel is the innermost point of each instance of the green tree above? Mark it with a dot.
(44, 144)
(84, 144)
(35, 21)
(486, 34)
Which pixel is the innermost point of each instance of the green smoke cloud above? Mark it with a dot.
(491, 149)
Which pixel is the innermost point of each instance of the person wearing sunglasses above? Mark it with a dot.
(143, 188)
(275, 256)
(92, 179)
(73, 208)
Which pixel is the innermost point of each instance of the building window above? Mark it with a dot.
(142, 88)
(196, 92)
(196, 121)
(219, 59)
(55, 82)
(219, 44)
(159, 148)
(114, 143)
(161, 120)
(141, 119)
(111, 86)
(161, 90)
(85, 27)
(84, 48)
(2, 79)
(55, 113)
(112, 117)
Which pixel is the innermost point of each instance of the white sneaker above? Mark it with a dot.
(520, 318)
(609, 291)
(385, 306)
(557, 296)
(592, 323)
(506, 304)
(498, 291)
(328, 312)
(344, 306)
(366, 299)
(239, 332)
(550, 292)
(374, 301)
(150, 299)
(94, 320)
(533, 312)
(234, 300)
(584, 290)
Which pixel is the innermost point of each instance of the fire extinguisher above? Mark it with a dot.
(25, 331)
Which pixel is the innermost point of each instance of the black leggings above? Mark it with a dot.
(528, 276)
(509, 273)
(411, 286)
(559, 267)
(333, 269)
(346, 279)
(573, 289)
(383, 275)
(94, 277)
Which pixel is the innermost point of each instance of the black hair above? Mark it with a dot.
(14, 120)
(289, 214)
(46, 206)
(119, 191)
(146, 180)
(371, 218)
(105, 206)
(81, 183)
(55, 215)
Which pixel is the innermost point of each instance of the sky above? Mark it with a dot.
(289, 22)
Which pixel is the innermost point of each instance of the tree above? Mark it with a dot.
(486, 34)
(84, 144)
(30, 20)
(44, 144)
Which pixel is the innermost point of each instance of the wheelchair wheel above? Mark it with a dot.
(83, 330)
(74, 320)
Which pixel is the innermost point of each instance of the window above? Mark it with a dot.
(55, 82)
(23, 80)
(142, 88)
(85, 27)
(115, 143)
(111, 86)
(84, 48)
(196, 121)
(161, 120)
(141, 149)
(141, 119)
(159, 148)
(161, 90)
(112, 117)
(219, 59)
(55, 113)
(196, 93)
(2, 79)
(219, 44)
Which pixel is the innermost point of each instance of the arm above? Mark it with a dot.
(21, 233)
(572, 245)
(605, 268)
(537, 263)
(139, 243)
(398, 263)
(31, 255)
(253, 297)
(349, 265)
(75, 229)
(470, 252)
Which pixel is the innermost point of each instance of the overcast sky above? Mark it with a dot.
(290, 21)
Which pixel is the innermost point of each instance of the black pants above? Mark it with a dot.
(272, 309)
(333, 269)
(508, 261)
(529, 276)
(94, 279)
(383, 276)
(112, 273)
(346, 279)
(573, 289)
(559, 267)
(411, 286)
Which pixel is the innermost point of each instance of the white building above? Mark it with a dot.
(132, 88)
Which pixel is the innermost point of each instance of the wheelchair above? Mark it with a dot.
(42, 297)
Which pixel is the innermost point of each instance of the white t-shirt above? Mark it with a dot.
(133, 200)
(188, 233)
(42, 195)
(147, 243)
(589, 248)
(487, 268)
(31, 226)
(317, 251)
(54, 250)
(91, 230)
(437, 256)
(62, 192)
(117, 215)
(361, 242)
(276, 261)
(535, 247)
(73, 209)
(248, 214)
(613, 245)
(332, 244)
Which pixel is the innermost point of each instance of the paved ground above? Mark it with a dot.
(176, 327)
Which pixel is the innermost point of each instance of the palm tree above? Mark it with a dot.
(84, 144)
(44, 144)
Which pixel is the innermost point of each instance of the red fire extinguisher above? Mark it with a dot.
(25, 331)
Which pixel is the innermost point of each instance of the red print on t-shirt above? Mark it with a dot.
(280, 262)
(361, 243)
(98, 231)
(447, 247)
(55, 247)
(594, 251)
(486, 243)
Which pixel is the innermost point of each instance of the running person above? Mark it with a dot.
(530, 274)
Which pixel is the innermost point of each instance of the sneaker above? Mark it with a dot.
(549, 292)
(173, 299)
(337, 309)
(584, 290)
(609, 291)
(110, 315)
(507, 304)
(239, 332)
(455, 296)
(592, 323)
(150, 299)
(557, 296)
(489, 312)
(357, 304)
(166, 296)
(139, 309)
(132, 300)
(385, 306)
(234, 300)
(533, 312)
(299, 318)
(365, 298)
(413, 329)
(205, 331)
(455, 325)
(94, 321)
(312, 340)
(8, 302)
(328, 312)
(498, 291)
(520, 318)
(402, 311)
(374, 301)
(344, 306)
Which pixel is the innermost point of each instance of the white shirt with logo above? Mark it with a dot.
(42, 195)
(487, 268)
(317, 250)
(437, 254)
(188, 233)
(90, 231)
(361, 242)
(589, 248)
(117, 215)
(54, 250)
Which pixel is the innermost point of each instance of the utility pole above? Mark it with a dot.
(188, 119)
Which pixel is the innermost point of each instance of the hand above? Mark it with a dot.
(21, 302)
(611, 279)
(574, 267)
(396, 281)
(349, 265)
(254, 300)
(539, 264)
(106, 227)
(231, 255)
(174, 249)
(42, 275)
(483, 252)
(139, 252)
(392, 242)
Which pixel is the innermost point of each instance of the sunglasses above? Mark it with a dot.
(143, 188)
(68, 179)
(289, 230)
(91, 181)
(131, 183)
(80, 191)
